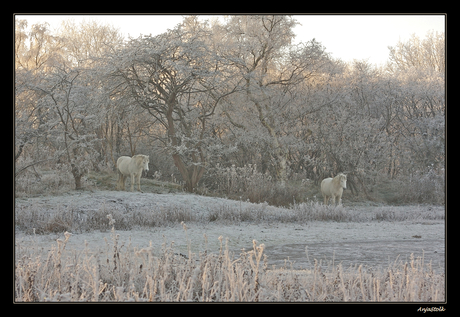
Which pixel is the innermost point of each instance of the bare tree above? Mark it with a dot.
(259, 47)
(36, 50)
(87, 43)
(72, 117)
(37, 47)
(232, 92)
(427, 53)
(179, 81)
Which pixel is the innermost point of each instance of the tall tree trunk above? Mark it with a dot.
(78, 182)
(281, 169)
(278, 150)
(191, 175)
(77, 175)
(266, 118)
(118, 138)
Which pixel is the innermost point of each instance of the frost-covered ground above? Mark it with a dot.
(373, 242)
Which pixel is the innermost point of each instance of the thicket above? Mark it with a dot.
(228, 107)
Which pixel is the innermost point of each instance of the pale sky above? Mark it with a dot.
(347, 37)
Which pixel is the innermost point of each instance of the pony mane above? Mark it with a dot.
(336, 179)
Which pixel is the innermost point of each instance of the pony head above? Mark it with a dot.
(343, 180)
(145, 162)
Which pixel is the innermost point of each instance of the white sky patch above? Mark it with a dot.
(347, 37)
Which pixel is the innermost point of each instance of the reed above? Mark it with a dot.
(122, 272)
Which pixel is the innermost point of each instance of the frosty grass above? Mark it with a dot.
(123, 246)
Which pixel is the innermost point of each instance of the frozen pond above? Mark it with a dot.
(370, 253)
(371, 243)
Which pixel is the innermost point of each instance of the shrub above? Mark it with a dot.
(247, 183)
(426, 187)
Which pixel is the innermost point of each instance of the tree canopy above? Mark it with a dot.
(210, 95)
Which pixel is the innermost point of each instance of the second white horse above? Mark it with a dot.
(333, 188)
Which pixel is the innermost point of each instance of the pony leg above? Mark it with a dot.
(120, 181)
(325, 200)
(132, 182)
(139, 182)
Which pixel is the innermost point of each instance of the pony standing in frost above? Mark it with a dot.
(127, 166)
(333, 187)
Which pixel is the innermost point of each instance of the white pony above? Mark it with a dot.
(333, 187)
(127, 166)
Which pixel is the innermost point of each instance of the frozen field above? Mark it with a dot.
(368, 235)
